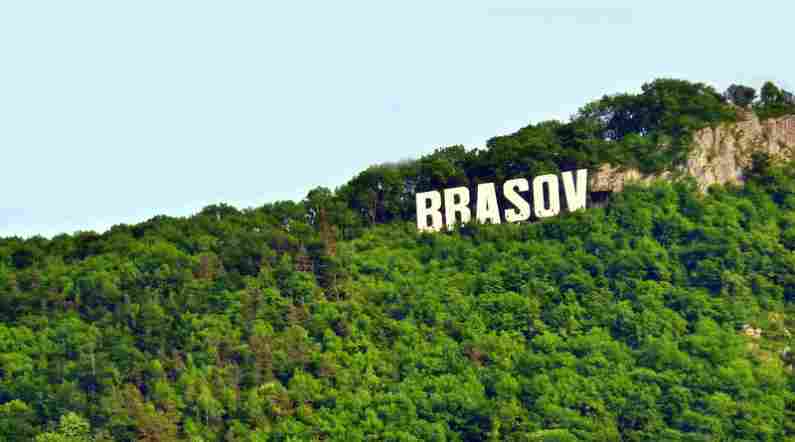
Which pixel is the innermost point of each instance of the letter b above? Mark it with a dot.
(432, 211)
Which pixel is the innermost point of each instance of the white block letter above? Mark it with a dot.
(488, 207)
(522, 210)
(456, 200)
(575, 198)
(539, 202)
(424, 210)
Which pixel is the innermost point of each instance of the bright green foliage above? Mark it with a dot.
(621, 323)
(72, 428)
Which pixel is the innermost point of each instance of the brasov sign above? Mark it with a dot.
(437, 209)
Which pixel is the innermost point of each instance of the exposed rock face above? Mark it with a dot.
(719, 155)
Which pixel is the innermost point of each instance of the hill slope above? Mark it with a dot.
(666, 315)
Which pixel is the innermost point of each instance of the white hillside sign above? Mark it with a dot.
(446, 208)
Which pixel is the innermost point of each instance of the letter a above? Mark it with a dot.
(488, 207)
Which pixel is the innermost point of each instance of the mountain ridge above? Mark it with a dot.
(667, 314)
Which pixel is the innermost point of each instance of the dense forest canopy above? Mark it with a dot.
(666, 315)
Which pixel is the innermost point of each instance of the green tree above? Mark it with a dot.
(71, 428)
(740, 95)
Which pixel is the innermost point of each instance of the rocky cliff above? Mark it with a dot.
(719, 155)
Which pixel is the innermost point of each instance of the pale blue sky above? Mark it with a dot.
(115, 111)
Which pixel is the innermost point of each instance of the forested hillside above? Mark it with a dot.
(665, 315)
